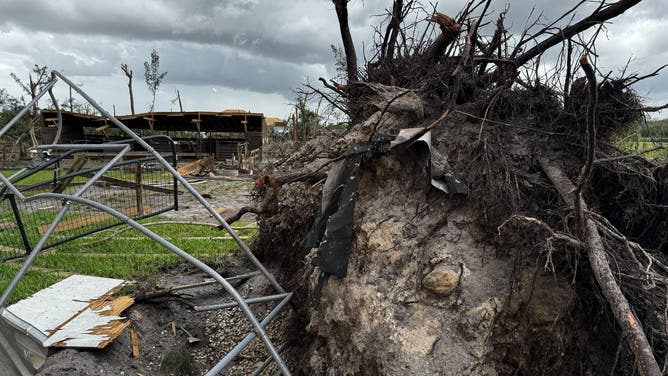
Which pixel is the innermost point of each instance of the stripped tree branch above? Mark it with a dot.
(646, 363)
(597, 17)
(348, 45)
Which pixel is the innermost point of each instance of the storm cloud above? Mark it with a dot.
(254, 51)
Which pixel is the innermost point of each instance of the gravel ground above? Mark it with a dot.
(230, 194)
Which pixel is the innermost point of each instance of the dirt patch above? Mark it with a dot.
(221, 193)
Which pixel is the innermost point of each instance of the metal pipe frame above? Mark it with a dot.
(47, 234)
(258, 326)
(247, 340)
(261, 299)
(68, 200)
(25, 109)
(180, 178)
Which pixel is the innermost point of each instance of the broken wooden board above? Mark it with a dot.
(76, 223)
(135, 343)
(199, 167)
(78, 311)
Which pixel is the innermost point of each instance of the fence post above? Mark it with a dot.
(139, 181)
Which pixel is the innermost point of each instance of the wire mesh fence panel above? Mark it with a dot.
(138, 187)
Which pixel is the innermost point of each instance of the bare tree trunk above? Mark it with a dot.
(392, 31)
(128, 74)
(178, 95)
(348, 45)
(132, 99)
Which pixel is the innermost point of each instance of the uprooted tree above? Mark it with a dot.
(474, 218)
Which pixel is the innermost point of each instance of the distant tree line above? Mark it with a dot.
(657, 129)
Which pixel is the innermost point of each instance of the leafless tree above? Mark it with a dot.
(128, 74)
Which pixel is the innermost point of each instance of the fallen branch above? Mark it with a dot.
(646, 363)
(172, 290)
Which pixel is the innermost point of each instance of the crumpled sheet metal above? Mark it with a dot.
(441, 174)
(332, 229)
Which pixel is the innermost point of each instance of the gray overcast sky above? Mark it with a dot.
(249, 54)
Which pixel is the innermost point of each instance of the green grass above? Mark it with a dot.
(32, 282)
(634, 142)
(646, 144)
(35, 178)
(127, 255)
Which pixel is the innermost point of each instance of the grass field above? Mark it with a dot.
(640, 144)
(128, 254)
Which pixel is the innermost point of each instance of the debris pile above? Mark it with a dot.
(200, 167)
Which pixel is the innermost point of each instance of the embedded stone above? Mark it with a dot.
(441, 281)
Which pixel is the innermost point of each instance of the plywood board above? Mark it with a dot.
(78, 311)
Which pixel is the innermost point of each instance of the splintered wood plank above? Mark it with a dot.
(189, 168)
(135, 343)
(78, 311)
(73, 224)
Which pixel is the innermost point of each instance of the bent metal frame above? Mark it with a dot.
(21, 358)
